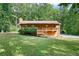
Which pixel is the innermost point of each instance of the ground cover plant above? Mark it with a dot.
(15, 44)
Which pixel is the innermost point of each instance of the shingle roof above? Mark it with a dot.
(39, 22)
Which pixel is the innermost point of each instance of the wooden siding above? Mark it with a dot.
(45, 29)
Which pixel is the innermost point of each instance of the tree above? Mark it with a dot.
(34, 11)
(71, 19)
(4, 21)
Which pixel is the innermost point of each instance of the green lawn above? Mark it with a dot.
(14, 44)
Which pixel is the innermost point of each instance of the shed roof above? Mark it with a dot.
(39, 22)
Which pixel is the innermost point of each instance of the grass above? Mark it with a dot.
(14, 44)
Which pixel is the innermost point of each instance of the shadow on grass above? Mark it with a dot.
(11, 45)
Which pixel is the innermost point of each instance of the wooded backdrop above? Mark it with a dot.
(67, 14)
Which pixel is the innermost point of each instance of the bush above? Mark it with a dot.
(0, 30)
(13, 28)
(0, 27)
(28, 31)
(6, 28)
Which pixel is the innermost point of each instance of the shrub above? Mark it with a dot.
(13, 28)
(28, 31)
(6, 28)
(0, 27)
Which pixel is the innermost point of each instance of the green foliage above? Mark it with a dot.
(28, 31)
(70, 19)
(67, 15)
(6, 28)
(0, 28)
(13, 28)
(10, 13)
(31, 11)
(5, 20)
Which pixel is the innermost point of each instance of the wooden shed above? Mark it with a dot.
(44, 28)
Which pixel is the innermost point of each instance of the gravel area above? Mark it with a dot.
(69, 36)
